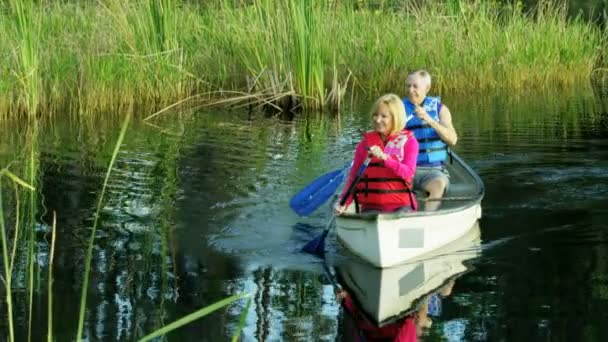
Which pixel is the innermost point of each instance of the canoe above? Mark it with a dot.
(389, 239)
(385, 295)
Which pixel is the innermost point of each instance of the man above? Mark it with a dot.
(431, 122)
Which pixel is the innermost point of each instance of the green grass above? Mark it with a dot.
(50, 281)
(196, 315)
(32, 172)
(24, 28)
(7, 279)
(9, 263)
(89, 255)
(95, 57)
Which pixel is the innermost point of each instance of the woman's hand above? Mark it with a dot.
(339, 209)
(376, 151)
(341, 295)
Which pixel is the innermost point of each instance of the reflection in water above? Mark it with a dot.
(395, 303)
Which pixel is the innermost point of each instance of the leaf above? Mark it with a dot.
(16, 179)
(194, 316)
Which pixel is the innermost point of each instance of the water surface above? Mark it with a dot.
(197, 211)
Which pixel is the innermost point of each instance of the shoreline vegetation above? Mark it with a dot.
(96, 56)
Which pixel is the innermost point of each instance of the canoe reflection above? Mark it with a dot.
(394, 304)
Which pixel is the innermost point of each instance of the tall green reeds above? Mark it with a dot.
(109, 54)
(146, 35)
(196, 315)
(7, 272)
(32, 153)
(307, 51)
(280, 46)
(25, 28)
(9, 260)
(89, 255)
(161, 14)
(50, 281)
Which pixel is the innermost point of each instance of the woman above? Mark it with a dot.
(387, 182)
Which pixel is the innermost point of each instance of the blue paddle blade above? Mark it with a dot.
(318, 192)
(317, 245)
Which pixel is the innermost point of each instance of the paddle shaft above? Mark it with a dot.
(331, 276)
(352, 186)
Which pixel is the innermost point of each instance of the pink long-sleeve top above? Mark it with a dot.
(404, 169)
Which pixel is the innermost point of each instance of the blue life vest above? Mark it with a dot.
(433, 151)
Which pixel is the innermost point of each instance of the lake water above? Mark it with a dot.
(196, 211)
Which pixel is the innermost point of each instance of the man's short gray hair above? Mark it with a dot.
(424, 75)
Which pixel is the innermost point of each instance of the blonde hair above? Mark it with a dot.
(395, 108)
(424, 75)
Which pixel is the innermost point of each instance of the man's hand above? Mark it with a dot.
(422, 114)
(443, 127)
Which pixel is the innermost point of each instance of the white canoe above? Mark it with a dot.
(389, 239)
(387, 294)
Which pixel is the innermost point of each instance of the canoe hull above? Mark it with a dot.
(388, 294)
(388, 241)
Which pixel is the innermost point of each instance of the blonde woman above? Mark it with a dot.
(386, 184)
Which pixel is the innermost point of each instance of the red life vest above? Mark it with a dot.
(379, 186)
(403, 330)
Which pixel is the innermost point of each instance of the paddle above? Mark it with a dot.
(317, 245)
(318, 192)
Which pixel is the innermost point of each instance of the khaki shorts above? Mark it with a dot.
(425, 174)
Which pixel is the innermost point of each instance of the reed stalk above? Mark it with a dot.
(193, 316)
(32, 170)
(242, 320)
(7, 272)
(162, 25)
(50, 281)
(26, 26)
(89, 255)
(9, 262)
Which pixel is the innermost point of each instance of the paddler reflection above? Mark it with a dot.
(398, 303)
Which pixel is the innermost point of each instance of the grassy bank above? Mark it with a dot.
(93, 57)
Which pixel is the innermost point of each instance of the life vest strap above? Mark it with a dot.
(425, 140)
(357, 207)
(411, 128)
(377, 180)
(429, 150)
(381, 191)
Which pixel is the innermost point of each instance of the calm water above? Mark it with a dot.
(201, 213)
